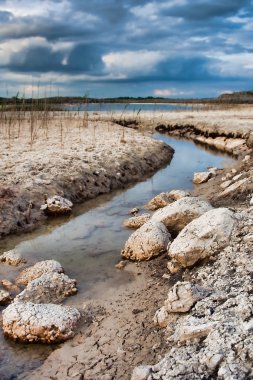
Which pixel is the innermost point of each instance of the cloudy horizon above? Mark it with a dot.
(176, 48)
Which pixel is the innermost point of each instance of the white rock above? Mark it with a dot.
(230, 189)
(179, 213)
(251, 201)
(159, 201)
(141, 373)
(147, 242)
(213, 171)
(37, 270)
(175, 195)
(203, 237)
(161, 317)
(136, 221)
(193, 331)
(246, 158)
(201, 177)
(12, 257)
(238, 176)
(225, 184)
(57, 205)
(183, 296)
(46, 323)
(48, 288)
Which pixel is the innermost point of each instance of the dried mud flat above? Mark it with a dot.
(64, 157)
(118, 333)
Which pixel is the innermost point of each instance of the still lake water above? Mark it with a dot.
(133, 107)
(88, 243)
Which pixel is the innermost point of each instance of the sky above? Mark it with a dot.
(110, 48)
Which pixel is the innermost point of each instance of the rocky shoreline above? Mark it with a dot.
(212, 332)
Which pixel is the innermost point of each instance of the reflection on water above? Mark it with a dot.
(88, 244)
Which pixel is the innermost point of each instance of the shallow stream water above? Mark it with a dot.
(88, 243)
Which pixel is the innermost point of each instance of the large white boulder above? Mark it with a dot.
(49, 288)
(179, 213)
(45, 323)
(203, 237)
(37, 270)
(148, 241)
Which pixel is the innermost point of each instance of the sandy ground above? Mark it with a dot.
(117, 332)
(69, 156)
(235, 121)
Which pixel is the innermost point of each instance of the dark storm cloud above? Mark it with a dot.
(38, 58)
(74, 36)
(206, 9)
(85, 57)
(23, 27)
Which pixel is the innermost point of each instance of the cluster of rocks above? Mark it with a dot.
(208, 314)
(209, 319)
(35, 314)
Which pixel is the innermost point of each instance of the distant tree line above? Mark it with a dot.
(242, 97)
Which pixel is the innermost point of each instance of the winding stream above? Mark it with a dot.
(88, 243)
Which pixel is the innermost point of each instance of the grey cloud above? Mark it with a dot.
(5, 16)
(36, 59)
(206, 9)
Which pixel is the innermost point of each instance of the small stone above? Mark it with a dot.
(5, 297)
(37, 270)
(246, 158)
(134, 211)
(10, 286)
(159, 201)
(213, 171)
(225, 184)
(141, 373)
(121, 265)
(136, 221)
(161, 317)
(57, 205)
(175, 195)
(201, 177)
(191, 332)
(12, 257)
(183, 296)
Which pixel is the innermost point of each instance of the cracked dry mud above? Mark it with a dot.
(117, 332)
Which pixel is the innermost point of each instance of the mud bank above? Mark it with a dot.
(225, 130)
(120, 333)
(66, 158)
